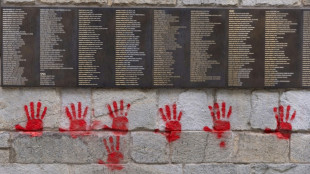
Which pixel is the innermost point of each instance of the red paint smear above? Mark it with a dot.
(173, 126)
(114, 155)
(222, 144)
(284, 127)
(77, 120)
(119, 118)
(35, 120)
(219, 126)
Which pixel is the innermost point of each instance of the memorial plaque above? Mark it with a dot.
(155, 47)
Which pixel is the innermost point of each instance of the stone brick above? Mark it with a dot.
(34, 168)
(257, 147)
(19, 1)
(73, 1)
(270, 2)
(215, 152)
(210, 2)
(216, 168)
(300, 151)
(299, 102)
(12, 101)
(4, 156)
(143, 110)
(262, 114)
(148, 147)
(280, 168)
(128, 169)
(61, 148)
(74, 96)
(192, 103)
(145, 2)
(189, 148)
(4, 139)
(240, 101)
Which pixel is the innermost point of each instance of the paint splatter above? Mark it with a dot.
(284, 127)
(77, 120)
(119, 118)
(220, 119)
(35, 120)
(114, 155)
(173, 126)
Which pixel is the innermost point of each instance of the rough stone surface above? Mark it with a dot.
(306, 2)
(61, 148)
(4, 156)
(189, 148)
(210, 2)
(214, 152)
(4, 139)
(128, 169)
(34, 168)
(240, 101)
(74, 1)
(12, 101)
(216, 168)
(299, 102)
(300, 151)
(148, 147)
(19, 1)
(270, 2)
(257, 147)
(280, 168)
(142, 113)
(146, 2)
(262, 114)
(74, 96)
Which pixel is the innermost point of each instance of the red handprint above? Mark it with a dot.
(77, 121)
(219, 124)
(173, 126)
(284, 128)
(114, 155)
(34, 122)
(119, 116)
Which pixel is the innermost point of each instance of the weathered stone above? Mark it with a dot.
(73, 1)
(194, 105)
(240, 101)
(299, 102)
(189, 148)
(220, 149)
(148, 147)
(143, 110)
(270, 2)
(300, 151)
(61, 148)
(34, 168)
(74, 96)
(4, 156)
(4, 139)
(19, 1)
(306, 2)
(280, 168)
(146, 2)
(12, 101)
(210, 2)
(257, 147)
(128, 169)
(216, 168)
(262, 114)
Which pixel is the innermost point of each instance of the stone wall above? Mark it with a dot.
(198, 143)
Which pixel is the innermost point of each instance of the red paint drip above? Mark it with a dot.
(119, 118)
(222, 144)
(173, 126)
(219, 126)
(114, 155)
(35, 120)
(284, 127)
